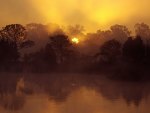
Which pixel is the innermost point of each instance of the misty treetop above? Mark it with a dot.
(12, 40)
(41, 48)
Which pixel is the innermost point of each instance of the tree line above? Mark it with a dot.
(116, 47)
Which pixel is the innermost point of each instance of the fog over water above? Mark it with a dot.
(74, 56)
(71, 93)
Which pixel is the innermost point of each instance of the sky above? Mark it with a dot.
(93, 14)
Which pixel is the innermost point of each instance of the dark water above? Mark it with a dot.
(71, 93)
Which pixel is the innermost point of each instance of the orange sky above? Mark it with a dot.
(92, 14)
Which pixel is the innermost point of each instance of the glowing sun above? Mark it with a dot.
(75, 40)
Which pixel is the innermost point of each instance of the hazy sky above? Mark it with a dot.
(93, 14)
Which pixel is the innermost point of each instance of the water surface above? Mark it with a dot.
(71, 93)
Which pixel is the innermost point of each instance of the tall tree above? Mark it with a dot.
(120, 32)
(13, 39)
(128, 48)
(143, 30)
(15, 33)
(61, 45)
(110, 50)
(134, 49)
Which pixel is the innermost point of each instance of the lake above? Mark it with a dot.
(71, 93)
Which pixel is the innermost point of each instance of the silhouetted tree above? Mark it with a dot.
(15, 33)
(27, 44)
(12, 39)
(139, 48)
(8, 52)
(117, 32)
(92, 41)
(143, 30)
(110, 50)
(134, 49)
(120, 33)
(39, 34)
(61, 45)
(128, 48)
(50, 56)
(42, 61)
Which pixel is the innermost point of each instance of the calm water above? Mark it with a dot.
(71, 93)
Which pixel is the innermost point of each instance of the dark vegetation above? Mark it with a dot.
(48, 48)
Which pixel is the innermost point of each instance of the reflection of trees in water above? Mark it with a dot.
(130, 92)
(10, 99)
(8, 83)
(13, 91)
(12, 102)
(59, 87)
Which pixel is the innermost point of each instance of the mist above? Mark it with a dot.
(74, 56)
(93, 14)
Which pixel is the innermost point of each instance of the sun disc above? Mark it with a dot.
(75, 40)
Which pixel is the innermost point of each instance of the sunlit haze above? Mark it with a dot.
(93, 14)
(75, 56)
